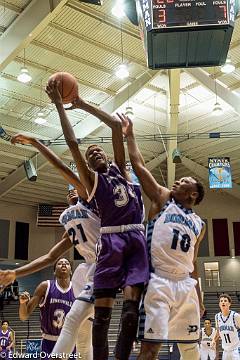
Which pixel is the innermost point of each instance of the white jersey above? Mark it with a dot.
(206, 339)
(228, 329)
(83, 227)
(174, 234)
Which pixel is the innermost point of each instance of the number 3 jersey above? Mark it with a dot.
(54, 308)
(119, 201)
(82, 224)
(228, 327)
(171, 236)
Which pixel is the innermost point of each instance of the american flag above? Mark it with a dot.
(48, 215)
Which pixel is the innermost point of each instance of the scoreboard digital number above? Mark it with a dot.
(191, 13)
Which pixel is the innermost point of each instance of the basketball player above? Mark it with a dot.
(122, 254)
(55, 298)
(206, 337)
(82, 223)
(6, 340)
(175, 231)
(227, 326)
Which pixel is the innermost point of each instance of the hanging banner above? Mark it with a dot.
(220, 176)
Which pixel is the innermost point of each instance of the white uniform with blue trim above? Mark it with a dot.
(205, 345)
(171, 302)
(82, 224)
(228, 327)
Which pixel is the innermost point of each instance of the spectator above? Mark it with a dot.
(6, 340)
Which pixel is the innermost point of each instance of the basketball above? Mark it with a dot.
(67, 86)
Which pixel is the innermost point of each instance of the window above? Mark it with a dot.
(220, 237)
(212, 278)
(4, 238)
(21, 240)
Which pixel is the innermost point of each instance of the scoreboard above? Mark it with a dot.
(194, 32)
(178, 13)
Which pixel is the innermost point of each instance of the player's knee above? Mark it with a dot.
(100, 325)
(149, 351)
(189, 351)
(129, 320)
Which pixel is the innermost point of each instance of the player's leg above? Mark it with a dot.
(104, 300)
(189, 351)
(78, 314)
(129, 322)
(136, 274)
(149, 351)
(108, 277)
(84, 340)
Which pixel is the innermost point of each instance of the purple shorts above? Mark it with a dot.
(122, 260)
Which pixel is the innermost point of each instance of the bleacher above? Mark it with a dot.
(23, 330)
(31, 329)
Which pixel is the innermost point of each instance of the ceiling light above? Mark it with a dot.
(233, 253)
(217, 109)
(24, 76)
(40, 120)
(228, 67)
(118, 9)
(122, 71)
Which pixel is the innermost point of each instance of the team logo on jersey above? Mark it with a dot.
(192, 329)
(150, 331)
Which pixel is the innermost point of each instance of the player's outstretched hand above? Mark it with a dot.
(7, 277)
(127, 125)
(21, 139)
(53, 92)
(24, 297)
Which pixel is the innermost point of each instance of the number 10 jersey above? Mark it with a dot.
(83, 227)
(174, 234)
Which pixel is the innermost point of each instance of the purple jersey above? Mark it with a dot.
(117, 200)
(5, 339)
(54, 308)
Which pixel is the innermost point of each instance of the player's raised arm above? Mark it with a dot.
(115, 124)
(8, 276)
(152, 189)
(63, 169)
(28, 304)
(86, 175)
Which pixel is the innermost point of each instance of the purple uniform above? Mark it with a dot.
(5, 340)
(53, 309)
(122, 253)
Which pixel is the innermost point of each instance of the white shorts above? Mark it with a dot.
(231, 354)
(207, 352)
(172, 310)
(82, 281)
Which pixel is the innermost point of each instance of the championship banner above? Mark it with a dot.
(220, 176)
(4, 135)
